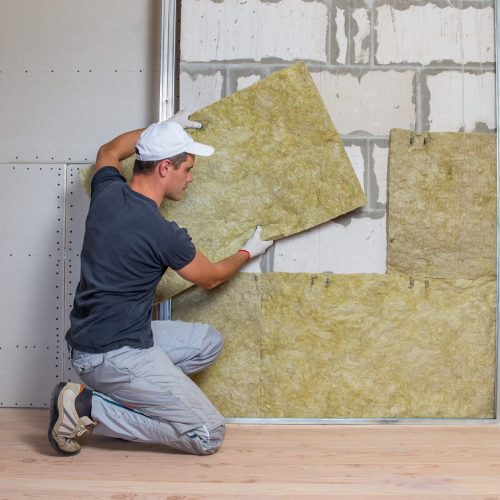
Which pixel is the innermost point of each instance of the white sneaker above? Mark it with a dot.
(66, 426)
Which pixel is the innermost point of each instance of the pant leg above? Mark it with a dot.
(142, 396)
(191, 346)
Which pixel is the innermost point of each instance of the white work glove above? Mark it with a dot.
(255, 246)
(182, 118)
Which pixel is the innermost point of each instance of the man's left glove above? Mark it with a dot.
(182, 118)
(255, 245)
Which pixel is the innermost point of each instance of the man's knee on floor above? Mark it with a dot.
(204, 442)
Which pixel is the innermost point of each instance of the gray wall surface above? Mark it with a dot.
(74, 74)
(378, 65)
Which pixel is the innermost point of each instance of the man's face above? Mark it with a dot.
(177, 179)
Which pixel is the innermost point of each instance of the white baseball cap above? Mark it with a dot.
(166, 139)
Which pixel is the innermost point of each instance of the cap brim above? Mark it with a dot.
(197, 148)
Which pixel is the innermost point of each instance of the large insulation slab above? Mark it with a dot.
(279, 163)
(234, 381)
(350, 346)
(377, 346)
(442, 204)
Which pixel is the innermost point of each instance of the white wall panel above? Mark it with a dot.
(40, 35)
(46, 117)
(74, 74)
(32, 291)
(76, 207)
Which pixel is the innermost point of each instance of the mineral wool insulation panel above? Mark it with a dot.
(278, 163)
(442, 204)
(349, 346)
(32, 270)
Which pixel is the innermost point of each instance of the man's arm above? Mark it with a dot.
(206, 274)
(123, 146)
(110, 154)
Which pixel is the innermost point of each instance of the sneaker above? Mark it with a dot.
(66, 426)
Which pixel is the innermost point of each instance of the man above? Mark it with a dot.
(139, 375)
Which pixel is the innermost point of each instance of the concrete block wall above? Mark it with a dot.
(378, 64)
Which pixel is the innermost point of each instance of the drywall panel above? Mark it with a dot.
(49, 118)
(442, 204)
(62, 35)
(75, 74)
(32, 270)
(279, 163)
(76, 208)
(350, 346)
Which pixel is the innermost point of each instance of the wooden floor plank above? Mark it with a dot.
(258, 462)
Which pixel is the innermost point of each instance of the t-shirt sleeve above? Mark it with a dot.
(176, 247)
(103, 177)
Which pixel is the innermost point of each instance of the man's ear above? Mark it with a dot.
(163, 167)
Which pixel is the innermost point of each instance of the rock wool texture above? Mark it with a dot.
(234, 381)
(442, 204)
(350, 346)
(279, 163)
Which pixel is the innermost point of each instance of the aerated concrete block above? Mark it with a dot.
(358, 245)
(461, 101)
(374, 102)
(233, 30)
(380, 163)
(245, 81)
(442, 204)
(362, 36)
(199, 91)
(340, 35)
(422, 34)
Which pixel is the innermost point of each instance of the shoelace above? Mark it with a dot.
(83, 426)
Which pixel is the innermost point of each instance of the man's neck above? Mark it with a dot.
(146, 185)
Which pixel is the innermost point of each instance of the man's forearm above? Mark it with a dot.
(206, 274)
(229, 266)
(117, 149)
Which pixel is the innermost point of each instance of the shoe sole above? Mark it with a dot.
(54, 416)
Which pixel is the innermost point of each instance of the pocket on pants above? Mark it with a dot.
(84, 362)
(114, 373)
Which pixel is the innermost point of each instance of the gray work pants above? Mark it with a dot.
(146, 395)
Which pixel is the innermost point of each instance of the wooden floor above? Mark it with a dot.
(257, 462)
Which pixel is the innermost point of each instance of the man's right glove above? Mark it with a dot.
(182, 118)
(255, 246)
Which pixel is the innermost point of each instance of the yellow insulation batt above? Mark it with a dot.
(278, 162)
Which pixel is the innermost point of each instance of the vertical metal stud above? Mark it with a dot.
(168, 80)
(497, 95)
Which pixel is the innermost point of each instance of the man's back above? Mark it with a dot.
(127, 247)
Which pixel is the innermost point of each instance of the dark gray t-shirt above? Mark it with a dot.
(127, 248)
